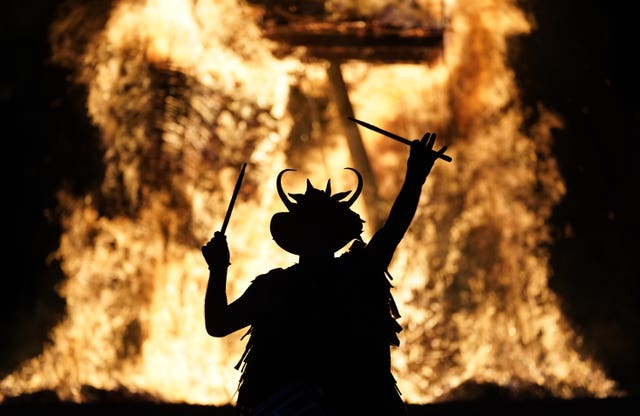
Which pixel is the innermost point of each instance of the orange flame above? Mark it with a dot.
(183, 92)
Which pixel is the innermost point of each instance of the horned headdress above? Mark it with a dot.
(316, 219)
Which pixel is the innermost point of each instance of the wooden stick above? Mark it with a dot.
(232, 202)
(392, 136)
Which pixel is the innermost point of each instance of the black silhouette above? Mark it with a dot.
(320, 331)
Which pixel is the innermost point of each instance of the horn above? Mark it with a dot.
(283, 196)
(356, 193)
(327, 190)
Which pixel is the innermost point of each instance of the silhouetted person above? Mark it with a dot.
(320, 330)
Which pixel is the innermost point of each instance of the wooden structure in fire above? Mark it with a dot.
(400, 32)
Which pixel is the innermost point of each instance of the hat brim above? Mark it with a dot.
(295, 236)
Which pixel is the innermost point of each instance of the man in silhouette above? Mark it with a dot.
(320, 331)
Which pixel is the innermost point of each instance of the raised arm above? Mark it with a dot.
(421, 159)
(220, 317)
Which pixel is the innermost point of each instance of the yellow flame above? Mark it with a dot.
(183, 92)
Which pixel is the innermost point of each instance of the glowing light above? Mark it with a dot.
(183, 92)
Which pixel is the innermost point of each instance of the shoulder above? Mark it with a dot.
(358, 255)
(263, 286)
(273, 276)
(366, 256)
(267, 276)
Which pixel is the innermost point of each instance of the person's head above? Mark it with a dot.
(316, 222)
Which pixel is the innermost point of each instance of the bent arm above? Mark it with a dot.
(222, 318)
(385, 241)
(421, 159)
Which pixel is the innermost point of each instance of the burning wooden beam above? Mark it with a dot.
(358, 41)
(394, 34)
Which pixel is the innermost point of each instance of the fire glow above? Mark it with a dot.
(183, 92)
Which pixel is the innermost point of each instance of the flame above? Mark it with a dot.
(183, 92)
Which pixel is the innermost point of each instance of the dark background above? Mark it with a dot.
(579, 62)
